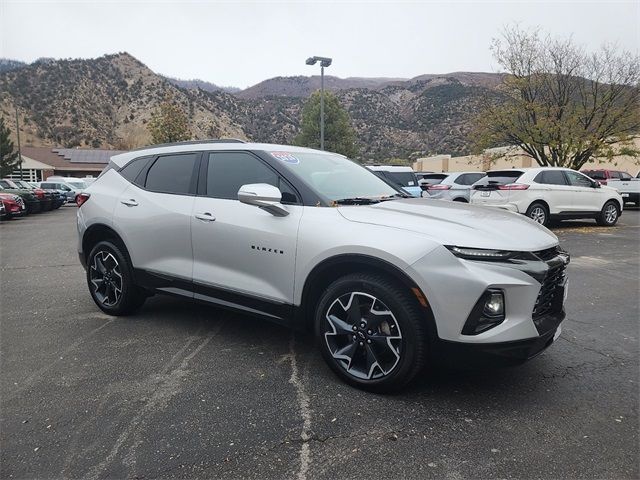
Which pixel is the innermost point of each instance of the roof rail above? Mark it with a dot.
(191, 142)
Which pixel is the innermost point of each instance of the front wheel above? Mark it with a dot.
(538, 212)
(371, 332)
(110, 280)
(609, 214)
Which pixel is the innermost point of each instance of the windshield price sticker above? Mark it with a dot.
(286, 157)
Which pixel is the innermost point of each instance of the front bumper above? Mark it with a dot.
(459, 354)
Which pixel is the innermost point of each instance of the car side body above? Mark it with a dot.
(198, 221)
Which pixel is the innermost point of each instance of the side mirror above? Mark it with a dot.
(595, 184)
(264, 196)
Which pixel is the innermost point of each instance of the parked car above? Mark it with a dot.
(12, 205)
(403, 177)
(77, 184)
(629, 189)
(48, 200)
(455, 186)
(603, 176)
(420, 175)
(70, 192)
(310, 239)
(31, 201)
(548, 193)
(58, 199)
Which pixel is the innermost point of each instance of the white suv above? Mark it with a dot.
(311, 239)
(454, 186)
(549, 193)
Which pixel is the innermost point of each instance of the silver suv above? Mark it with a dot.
(313, 240)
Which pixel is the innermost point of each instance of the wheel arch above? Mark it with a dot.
(543, 202)
(334, 267)
(97, 233)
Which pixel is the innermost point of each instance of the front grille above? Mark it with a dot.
(548, 254)
(550, 296)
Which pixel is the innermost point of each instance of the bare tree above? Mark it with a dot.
(562, 105)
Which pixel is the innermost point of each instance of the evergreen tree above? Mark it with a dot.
(339, 135)
(9, 160)
(169, 124)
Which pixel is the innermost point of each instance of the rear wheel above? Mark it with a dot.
(371, 332)
(539, 213)
(609, 214)
(110, 280)
(460, 199)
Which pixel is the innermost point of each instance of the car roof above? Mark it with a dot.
(389, 168)
(528, 169)
(123, 158)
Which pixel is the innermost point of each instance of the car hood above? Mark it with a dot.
(454, 223)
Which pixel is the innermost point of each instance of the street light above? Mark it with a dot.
(324, 62)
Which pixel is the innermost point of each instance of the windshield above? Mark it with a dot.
(8, 184)
(404, 179)
(434, 179)
(335, 176)
(501, 178)
(77, 184)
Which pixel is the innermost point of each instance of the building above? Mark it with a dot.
(40, 163)
(511, 157)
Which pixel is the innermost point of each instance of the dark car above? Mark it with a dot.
(31, 201)
(57, 199)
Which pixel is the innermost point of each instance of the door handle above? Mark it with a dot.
(205, 217)
(129, 203)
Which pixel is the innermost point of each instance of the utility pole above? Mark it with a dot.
(18, 137)
(324, 62)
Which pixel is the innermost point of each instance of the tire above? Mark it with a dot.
(116, 266)
(371, 357)
(539, 213)
(609, 214)
(460, 199)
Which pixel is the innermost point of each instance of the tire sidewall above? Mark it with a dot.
(603, 219)
(409, 333)
(545, 209)
(125, 270)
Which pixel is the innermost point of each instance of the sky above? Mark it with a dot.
(241, 43)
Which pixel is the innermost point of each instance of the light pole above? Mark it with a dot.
(324, 62)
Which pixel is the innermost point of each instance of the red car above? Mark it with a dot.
(13, 205)
(602, 176)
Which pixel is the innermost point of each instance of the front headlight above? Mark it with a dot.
(480, 253)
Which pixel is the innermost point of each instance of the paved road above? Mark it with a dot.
(187, 391)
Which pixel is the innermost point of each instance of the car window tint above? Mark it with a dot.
(551, 177)
(502, 177)
(614, 175)
(228, 171)
(625, 176)
(132, 169)
(171, 173)
(434, 179)
(578, 180)
(596, 175)
(461, 180)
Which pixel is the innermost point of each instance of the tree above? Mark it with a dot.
(562, 106)
(169, 123)
(339, 135)
(9, 160)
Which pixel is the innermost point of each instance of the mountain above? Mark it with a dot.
(7, 64)
(107, 102)
(201, 84)
(301, 86)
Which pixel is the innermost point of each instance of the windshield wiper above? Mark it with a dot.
(395, 196)
(356, 201)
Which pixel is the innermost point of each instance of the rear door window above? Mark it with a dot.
(172, 174)
(551, 177)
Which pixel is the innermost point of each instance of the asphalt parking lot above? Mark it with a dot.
(181, 390)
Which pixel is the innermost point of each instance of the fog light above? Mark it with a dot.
(494, 305)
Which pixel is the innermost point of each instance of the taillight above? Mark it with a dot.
(82, 198)
(513, 186)
(438, 187)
